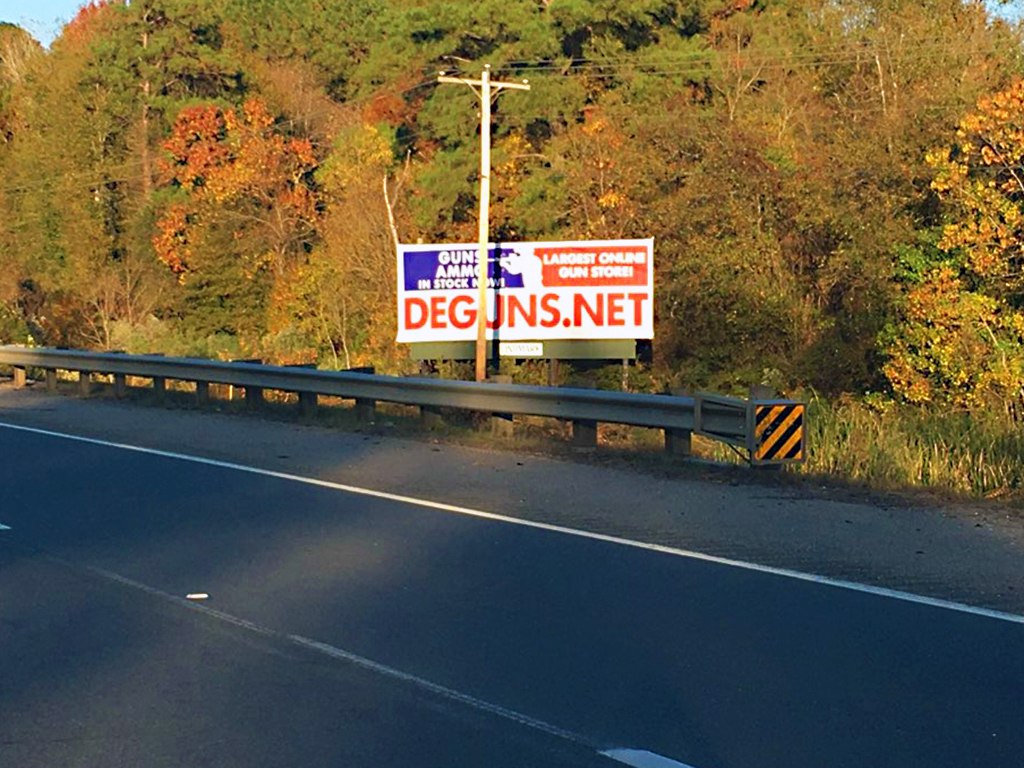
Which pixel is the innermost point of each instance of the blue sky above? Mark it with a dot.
(44, 18)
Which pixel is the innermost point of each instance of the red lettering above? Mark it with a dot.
(549, 304)
(529, 315)
(615, 309)
(638, 300)
(424, 313)
(579, 304)
(499, 312)
(438, 311)
(467, 319)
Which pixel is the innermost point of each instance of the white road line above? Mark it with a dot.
(343, 655)
(894, 594)
(448, 693)
(4, 527)
(639, 758)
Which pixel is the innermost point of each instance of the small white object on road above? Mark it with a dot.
(640, 758)
(4, 527)
(197, 596)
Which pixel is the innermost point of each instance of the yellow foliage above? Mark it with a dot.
(982, 178)
(358, 152)
(954, 346)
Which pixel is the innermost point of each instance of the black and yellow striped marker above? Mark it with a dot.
(779, 432)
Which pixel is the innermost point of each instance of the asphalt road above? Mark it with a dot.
(345, 629)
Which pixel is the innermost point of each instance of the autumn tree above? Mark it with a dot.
(239, 172)
(960, 337)
(341, 298)
(775, 150)
(18, 49)
(982, 181)
(240, 194)
(82, 169)
(956, 347)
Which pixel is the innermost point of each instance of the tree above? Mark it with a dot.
(982, 180)
(331, 38)
(240, 215)
(960, 336)
(955, 347)
(342, 297)
(17, 50)
(239, 173)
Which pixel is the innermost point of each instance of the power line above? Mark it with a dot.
(709, 54)
(691, 64)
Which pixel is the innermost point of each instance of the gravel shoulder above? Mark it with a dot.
(972, 554)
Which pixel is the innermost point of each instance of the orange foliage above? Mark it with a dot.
(231, 160)
(171, 241)
(392, 107)
(81, 29)
(196, 145)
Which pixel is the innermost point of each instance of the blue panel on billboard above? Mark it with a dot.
(427, 270)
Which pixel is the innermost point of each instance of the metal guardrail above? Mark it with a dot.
(729, 420)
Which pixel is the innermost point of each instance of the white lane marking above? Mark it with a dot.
(639, 758)
(197, 596)
(448, 693)
(895, 594)
(4, 527)
(343, 655)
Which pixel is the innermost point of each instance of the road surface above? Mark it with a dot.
(351, 628)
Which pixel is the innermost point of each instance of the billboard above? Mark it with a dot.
(598, 289)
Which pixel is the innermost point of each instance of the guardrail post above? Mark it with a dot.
(502, 424)
(254, 398)
(20, 377)
(308, 402)
(430, 417)
(203, 392)
(678, 442)
(51, 379)
(366, 410)
(233, 387)
(84, 383)
(120, 385)
(159, 387)
(584, 433)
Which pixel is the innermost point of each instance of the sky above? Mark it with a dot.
(44, 18)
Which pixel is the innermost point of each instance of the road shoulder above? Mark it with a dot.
(974, 556)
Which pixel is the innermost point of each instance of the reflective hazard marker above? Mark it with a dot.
(779, 432)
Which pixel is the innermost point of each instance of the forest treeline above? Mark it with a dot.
(835, 187)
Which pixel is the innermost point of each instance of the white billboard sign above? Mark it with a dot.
(599, 289)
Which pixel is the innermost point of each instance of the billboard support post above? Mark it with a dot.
(484, 224)
(485, 93)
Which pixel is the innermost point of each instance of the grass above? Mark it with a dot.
(976, 454)
(955, 454)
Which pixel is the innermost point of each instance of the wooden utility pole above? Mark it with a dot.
(488, 90)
